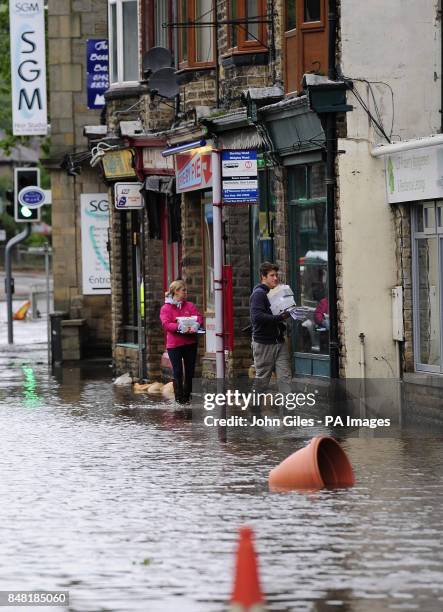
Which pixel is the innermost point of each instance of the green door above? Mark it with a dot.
(308, 269)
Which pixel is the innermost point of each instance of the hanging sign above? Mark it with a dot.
(119, 164)
(239, 177)
(28, 68)
(97, 71)
(96, 273)
(415, 175)
(193, 170)
(128, 196)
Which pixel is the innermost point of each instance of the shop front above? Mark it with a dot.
(414, 185)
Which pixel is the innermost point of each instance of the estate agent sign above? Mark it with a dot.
(96, 275)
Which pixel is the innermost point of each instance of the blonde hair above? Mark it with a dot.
(175, 286)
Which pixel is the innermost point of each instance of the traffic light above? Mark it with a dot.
(25, 177)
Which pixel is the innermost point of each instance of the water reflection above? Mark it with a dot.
(134, 506)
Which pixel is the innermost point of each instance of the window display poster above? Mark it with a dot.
(96, 276)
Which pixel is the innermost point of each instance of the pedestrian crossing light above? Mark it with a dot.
(25, 177)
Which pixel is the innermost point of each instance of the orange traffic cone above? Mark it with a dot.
(247, 595)
(22, 311)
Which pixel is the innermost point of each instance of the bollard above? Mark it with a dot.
(56, 336)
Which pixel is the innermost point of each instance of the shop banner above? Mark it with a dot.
(193, 171)
(415, 175)
(97, 72)
(96, 274)
(28, 68)
(239, 177)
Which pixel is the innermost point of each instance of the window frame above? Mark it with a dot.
(191, 37)
(243, 44)
(149, 8)
(116, 80)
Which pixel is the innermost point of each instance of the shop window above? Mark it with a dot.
(123, 41)
(308, 268)
(208, 245)
(428, 286)
(262, 222)
(196, 41)
(130, 225)
(249, 35)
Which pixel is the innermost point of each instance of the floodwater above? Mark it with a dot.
(131, 506)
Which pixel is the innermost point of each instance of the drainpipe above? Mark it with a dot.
(331, 147)
(440, 13)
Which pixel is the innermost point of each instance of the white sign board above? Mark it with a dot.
(28, 67)
(128, 196)
(415, 175)
(239, 177)
(96, 274)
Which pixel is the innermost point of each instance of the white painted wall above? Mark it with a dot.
(397, 42)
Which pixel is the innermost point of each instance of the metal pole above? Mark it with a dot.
(218, 263)
(139, 314)
(9, 281)
(48, 307)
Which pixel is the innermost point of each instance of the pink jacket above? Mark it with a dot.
(168, 317)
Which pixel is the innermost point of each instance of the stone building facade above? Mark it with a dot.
(70, 24)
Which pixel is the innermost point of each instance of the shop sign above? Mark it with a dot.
(97, 72)
(96, 274)
(154, 161)
(127, 196)
(415, 175)
(193, 170)
(119, 164)
(28, 68)
(239, 177)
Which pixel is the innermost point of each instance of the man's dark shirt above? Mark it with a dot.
(266, 327)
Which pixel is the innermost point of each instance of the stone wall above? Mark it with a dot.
(403, 250)
(70, 24)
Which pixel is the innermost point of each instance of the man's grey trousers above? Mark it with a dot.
(270, 357)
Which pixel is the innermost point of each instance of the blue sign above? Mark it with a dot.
(32, 197)
(97, 68)
(239, 177)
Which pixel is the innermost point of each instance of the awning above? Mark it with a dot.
(160, 184)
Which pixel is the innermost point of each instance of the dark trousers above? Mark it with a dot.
(183, 355)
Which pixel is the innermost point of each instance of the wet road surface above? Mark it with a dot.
(131, 506)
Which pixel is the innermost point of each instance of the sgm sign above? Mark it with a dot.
(96, 273)
(28, 72)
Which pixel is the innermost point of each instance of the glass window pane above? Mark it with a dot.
(298, 183)
(317, 187)
(419, 218)
(204, 37)
(252, 12)
(130, 41)
(291, 22)
(183, 32)
(428, 292)
(113, 34)
(161, 17)
(312, 10)
(209, 253)
(234, 29)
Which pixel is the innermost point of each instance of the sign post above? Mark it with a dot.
(239, 177)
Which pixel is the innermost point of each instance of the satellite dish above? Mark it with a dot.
(164, 83)
(156, 58)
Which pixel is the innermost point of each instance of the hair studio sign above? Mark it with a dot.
(28, 70)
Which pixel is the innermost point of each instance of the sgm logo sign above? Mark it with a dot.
(28, 70)
(98, 206)
(26, 8)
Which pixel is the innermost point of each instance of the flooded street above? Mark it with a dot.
(131, 506)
